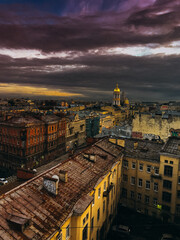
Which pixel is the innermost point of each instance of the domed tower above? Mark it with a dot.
(116, 96)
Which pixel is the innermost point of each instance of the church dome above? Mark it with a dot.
(116, 89)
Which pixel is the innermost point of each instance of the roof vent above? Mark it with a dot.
(51, 185)
(90, 156)
(63, 176)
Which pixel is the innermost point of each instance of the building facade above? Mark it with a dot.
(29, 142)
(75, 132)
(151, 177)
(116, 96)
(77, 199)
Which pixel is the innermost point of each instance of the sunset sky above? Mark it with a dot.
(82, 48)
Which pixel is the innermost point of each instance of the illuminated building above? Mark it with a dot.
(75, 200)
(116, 96)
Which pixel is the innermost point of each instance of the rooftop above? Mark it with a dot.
(145, 149)
(172, 146)
(21, 121)
(47, 212)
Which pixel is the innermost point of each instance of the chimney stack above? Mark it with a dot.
(63, 176)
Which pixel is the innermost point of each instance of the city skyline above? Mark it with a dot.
(83, 48)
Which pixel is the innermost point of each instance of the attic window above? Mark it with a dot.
(18, 222)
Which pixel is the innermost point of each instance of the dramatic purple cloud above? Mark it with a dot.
(85, 46)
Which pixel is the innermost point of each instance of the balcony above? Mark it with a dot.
(106, 193)
(156, 176)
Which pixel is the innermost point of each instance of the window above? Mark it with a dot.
(124, 192)
(166, 161)
(125, 178)
(156, 170)
(104, 186)
(67, 232)
(178, 194)
(132, 180)
(132, 194)
(141, 167)
(168, 171)
(59, 236)
(85, 233)
(133, 165)
(140, 182)
(93, 200)
(167, 184)
(171, 162)
(99, 192)
(166, 197)
(146, 199)
(92, 223)
(87, 216)
(179, 180)
(98, 214)
(147, 184)
(166, 208)
(155, 201)
(84, 220)
(148, 168)
(178, 209)
(155, 186)
(125, 163)
(139, 196)
(104, 206)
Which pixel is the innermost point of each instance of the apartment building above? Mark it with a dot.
(77, 199)
(151, 177)
(75, 131)
(26, 141)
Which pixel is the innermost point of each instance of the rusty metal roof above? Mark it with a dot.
(172, 146)
(48, 212)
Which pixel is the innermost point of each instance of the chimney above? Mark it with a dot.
(63, 176)
(135, 145)
(51, 184)
(178, 147)
(92, 157)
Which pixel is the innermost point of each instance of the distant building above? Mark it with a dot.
(155, 126)
(116, 96)
(75, 132)
(92, 126)
(29, 142)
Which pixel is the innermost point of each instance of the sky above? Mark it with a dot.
(82, 48)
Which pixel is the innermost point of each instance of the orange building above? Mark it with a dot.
(30, 142)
